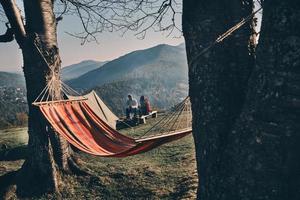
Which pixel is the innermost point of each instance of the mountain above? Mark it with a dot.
(160, 73)
(76, 70)
(164, 62)
(13, 106)
(8, 79)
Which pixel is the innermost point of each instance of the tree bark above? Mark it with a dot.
(250, 149)
(48, 154)
(218, 83)
(263, 153)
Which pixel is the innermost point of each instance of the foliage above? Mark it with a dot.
(161, 95)
(13, 105)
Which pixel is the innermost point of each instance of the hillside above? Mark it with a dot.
(160, 95)
(76, 70)
(8, 79)
(159, 73)
(13, 106)
(162, 61)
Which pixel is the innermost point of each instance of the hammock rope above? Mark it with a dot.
(226, 34)
(159, 127)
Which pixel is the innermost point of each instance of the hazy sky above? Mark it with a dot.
(111, 45)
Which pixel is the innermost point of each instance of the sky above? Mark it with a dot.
(110, 45)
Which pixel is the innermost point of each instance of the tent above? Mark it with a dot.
(99, 108)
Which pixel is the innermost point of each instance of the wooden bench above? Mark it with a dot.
(143, 118)
(127, 123)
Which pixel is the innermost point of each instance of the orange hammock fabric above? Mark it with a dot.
(81, 127)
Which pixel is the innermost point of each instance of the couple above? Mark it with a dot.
(133, 107)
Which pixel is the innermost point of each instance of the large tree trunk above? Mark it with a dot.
(218, 81)
(264, 146)
(48, 154)
(249, 150)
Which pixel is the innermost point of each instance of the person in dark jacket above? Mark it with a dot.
(131, 106)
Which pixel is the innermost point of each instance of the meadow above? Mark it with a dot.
(168, 172)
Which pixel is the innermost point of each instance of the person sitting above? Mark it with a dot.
(132, 106)
(145, 107)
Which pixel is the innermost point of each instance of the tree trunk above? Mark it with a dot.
(218, 81)
(263, 153)
(48, 154)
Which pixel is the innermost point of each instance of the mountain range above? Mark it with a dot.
(76, 70)
(162, 61)
(160, 73)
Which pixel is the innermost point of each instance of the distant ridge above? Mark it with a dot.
(10, 79)
(162, 60)
(76, 70)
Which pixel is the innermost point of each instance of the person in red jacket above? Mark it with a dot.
(145, 107)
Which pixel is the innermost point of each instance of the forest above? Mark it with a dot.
(13, 103)
(243, 88)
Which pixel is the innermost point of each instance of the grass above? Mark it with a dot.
(13, 137)
(168, 172)
(12, 145)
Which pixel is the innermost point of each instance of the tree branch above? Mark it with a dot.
(8, 36)
(14, 17)
(97, 16)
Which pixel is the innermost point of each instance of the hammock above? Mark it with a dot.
(78, 120)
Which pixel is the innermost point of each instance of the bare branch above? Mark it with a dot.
(97, 16)
(8, 36)
(62, 10)
(14, 17)
(2, 16)
(167, 10)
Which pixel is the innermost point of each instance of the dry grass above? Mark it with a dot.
(168, 172)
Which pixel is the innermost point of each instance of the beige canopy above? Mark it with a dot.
(99, 107)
